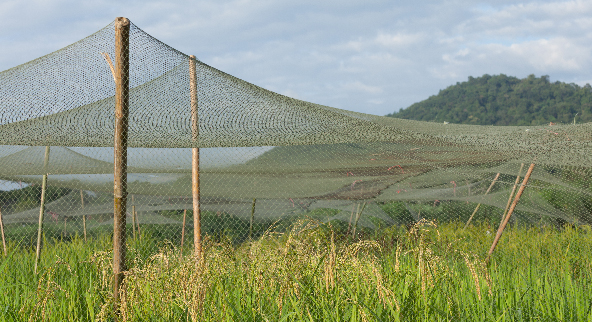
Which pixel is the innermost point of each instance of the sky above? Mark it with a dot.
(369, 56)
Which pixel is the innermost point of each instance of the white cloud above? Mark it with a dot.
(361, 87)
(373, 56)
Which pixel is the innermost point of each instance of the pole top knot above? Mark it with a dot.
(121, 22)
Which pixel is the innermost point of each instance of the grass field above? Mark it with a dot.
(313, 273)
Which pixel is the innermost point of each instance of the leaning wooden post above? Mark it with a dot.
(2, 231)
(479, 205)
(195, 158)
(510, 211)
(252, 218)
(122, 30)
(41, 208)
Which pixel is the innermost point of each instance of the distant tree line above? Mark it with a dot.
(505, 100)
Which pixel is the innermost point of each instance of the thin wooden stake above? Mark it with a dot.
(183, 229)
(351, 218)
(512, 193)
(252, 219)
(195, 158)
(2, 231)
(479, 205)
(510, 211)
(358, 218)
(133, 217)
(137, 223)
(41, 208)
(83, 215)
(122, 31)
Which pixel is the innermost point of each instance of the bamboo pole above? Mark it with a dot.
(512, 193)
(252, 218)
(479, 205)
(83, 215)
(2, 231)
(510, 211)
(358, 218)
(195, 158)
(41, 208)
(122, 30)
(183, 229)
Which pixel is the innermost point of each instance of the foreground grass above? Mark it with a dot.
(426, 273)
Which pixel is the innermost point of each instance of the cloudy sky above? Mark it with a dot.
(369, 56)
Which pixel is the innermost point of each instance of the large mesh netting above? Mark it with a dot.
(266, 159)
(306, 210)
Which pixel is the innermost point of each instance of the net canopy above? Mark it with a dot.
(263, 155)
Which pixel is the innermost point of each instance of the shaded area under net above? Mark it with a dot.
(293, 157)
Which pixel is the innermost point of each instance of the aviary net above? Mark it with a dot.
(266, 159)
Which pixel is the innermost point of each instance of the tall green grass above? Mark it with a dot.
(313, 273)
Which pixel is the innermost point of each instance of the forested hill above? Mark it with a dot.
(505, 100)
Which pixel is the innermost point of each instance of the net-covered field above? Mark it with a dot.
(308, 212)
(312, 272)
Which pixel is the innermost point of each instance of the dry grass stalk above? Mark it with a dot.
(46, 287)
(330, 265)
(471, 268)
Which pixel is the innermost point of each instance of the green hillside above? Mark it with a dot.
(505, 100)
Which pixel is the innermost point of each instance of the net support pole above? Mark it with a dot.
(122, 30)
(252, 218)
(501, 228)
(358, 215)
(183, 229)
(41, 208)
(83, 215)
(195, 159)
(512, 193)
(133, 217)
(479, 205)
(2, 231)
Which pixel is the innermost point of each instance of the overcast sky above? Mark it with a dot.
(368, 56)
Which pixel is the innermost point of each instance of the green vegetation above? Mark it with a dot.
(505, 100)
(313, 273)
(29, 197)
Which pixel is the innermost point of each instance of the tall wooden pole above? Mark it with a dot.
(510, 211)
(2, 231)
(41, 208)
(122, 29)
(195, 158)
